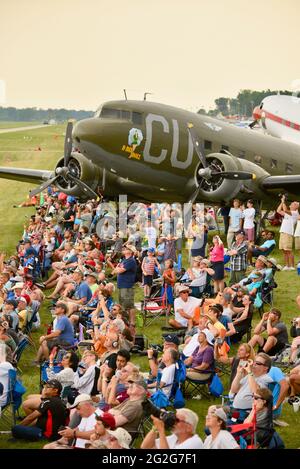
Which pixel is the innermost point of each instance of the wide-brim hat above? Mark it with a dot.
(182, 288)
(274, 262)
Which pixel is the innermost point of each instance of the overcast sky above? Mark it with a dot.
(79, 53)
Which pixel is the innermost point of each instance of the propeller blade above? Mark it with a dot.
(198, 146)
(68, 144)
(238, 175)
(196, 193)
(43, 186)
(83, 186)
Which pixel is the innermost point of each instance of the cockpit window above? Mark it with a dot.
(110, 113)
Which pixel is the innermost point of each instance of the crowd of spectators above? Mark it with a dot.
(76, 255)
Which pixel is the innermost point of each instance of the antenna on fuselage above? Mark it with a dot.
(145, 95)
(125, 94)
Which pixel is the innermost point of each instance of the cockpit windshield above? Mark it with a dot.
(119, 114)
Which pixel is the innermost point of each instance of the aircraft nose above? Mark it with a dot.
(256, 113)
(84, 130)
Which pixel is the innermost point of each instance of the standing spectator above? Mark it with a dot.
(290, 216)
(217, 263)
(238, 254)
(277, 335)
(148, 267)
(235, 221)
(126, 272)
(248, 215)
(224, 212)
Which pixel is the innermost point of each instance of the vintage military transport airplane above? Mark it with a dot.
(155, 152)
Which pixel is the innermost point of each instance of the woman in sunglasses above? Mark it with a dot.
(262, 412)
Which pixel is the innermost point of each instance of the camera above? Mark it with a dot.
(295, 322)
(169, 418)
(243, 362)
(219, 341)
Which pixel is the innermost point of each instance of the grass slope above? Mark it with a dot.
(15, 150)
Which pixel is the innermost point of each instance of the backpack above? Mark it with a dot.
(216, 387)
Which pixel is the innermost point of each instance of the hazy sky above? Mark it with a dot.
(79, 53)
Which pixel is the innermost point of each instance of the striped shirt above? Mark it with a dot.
(149, 265)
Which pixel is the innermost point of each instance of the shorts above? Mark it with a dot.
(250, 232)
(148, 280)
(126, 298)
(286, 242)
(297, 243)
(57, 342)
(276, 349)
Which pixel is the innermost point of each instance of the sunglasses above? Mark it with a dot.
(177, 420)
(259, 363)
(256, 398)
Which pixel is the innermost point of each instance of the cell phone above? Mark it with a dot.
(243, 362)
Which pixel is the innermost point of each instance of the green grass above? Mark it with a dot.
(15, 150)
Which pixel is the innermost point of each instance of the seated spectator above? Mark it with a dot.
(46, 420)
(244, 353)
(294, 382)
(219, 437)
(242, 320)
(80, 434)
(277, 335)
(10, 309)
(85, 378)
(201, 363)
(261, 412)
(99, 439)
(4, 336)
(62, 335)
(171, 341)
(65, 377)
(24, 312)
(184, 307)
(265, 248)
(165, 378)
(183, 434)
(295, 333)
(5, 366)
(116, 391)
(199, 275)
(249, 377)
(119, 439)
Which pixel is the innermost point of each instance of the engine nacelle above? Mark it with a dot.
(220, 189)
(84, 170)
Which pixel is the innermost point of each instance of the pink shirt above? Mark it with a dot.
(217, 254)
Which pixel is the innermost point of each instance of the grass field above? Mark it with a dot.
(19, 150)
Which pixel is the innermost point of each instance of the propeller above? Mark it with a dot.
(65, 171)
(207, 172)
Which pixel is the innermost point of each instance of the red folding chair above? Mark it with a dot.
(153, 308)
(246, 431)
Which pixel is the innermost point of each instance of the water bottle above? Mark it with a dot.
(298, 268)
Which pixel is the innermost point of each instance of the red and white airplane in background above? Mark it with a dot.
(279, 115)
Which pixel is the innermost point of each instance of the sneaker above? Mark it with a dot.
(280, 423)
(285, 268)
(292, 268)
(198, 397)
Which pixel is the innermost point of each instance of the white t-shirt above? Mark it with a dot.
(167, 377)
(191, 346)
(227, 312)
(4, 367)
(297, 230)
(151, 236)
(248, 215)
(187, 306)
(224, 440)
(200, 278)
(87, 424)
(288, 223)
(194, 442)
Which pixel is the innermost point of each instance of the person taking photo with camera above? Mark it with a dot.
(183, 434)
(290, 215)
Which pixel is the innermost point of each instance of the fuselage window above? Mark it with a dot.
(257, 159)
(289, 168)
(125, 115)
(109, 113)
(137, 118)
(273, 164)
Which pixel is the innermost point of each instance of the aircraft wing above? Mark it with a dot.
(290, 182)
(34, 176)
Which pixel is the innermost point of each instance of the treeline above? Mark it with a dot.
(34, 114)
(242, 105)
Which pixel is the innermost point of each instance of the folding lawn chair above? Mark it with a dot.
(155, 308)
(8, 411)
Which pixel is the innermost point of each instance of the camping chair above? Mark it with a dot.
(243, 432)
(195, 388)
(8, 411)
(267, 295)
(152, 310)
(22, 345)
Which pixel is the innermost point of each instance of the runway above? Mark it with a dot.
(16, 129)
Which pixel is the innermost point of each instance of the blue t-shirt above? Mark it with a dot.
(127, 278)
(235, 215)
(268, 244)
(83, 290)
(65, 326)
(277, 375)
